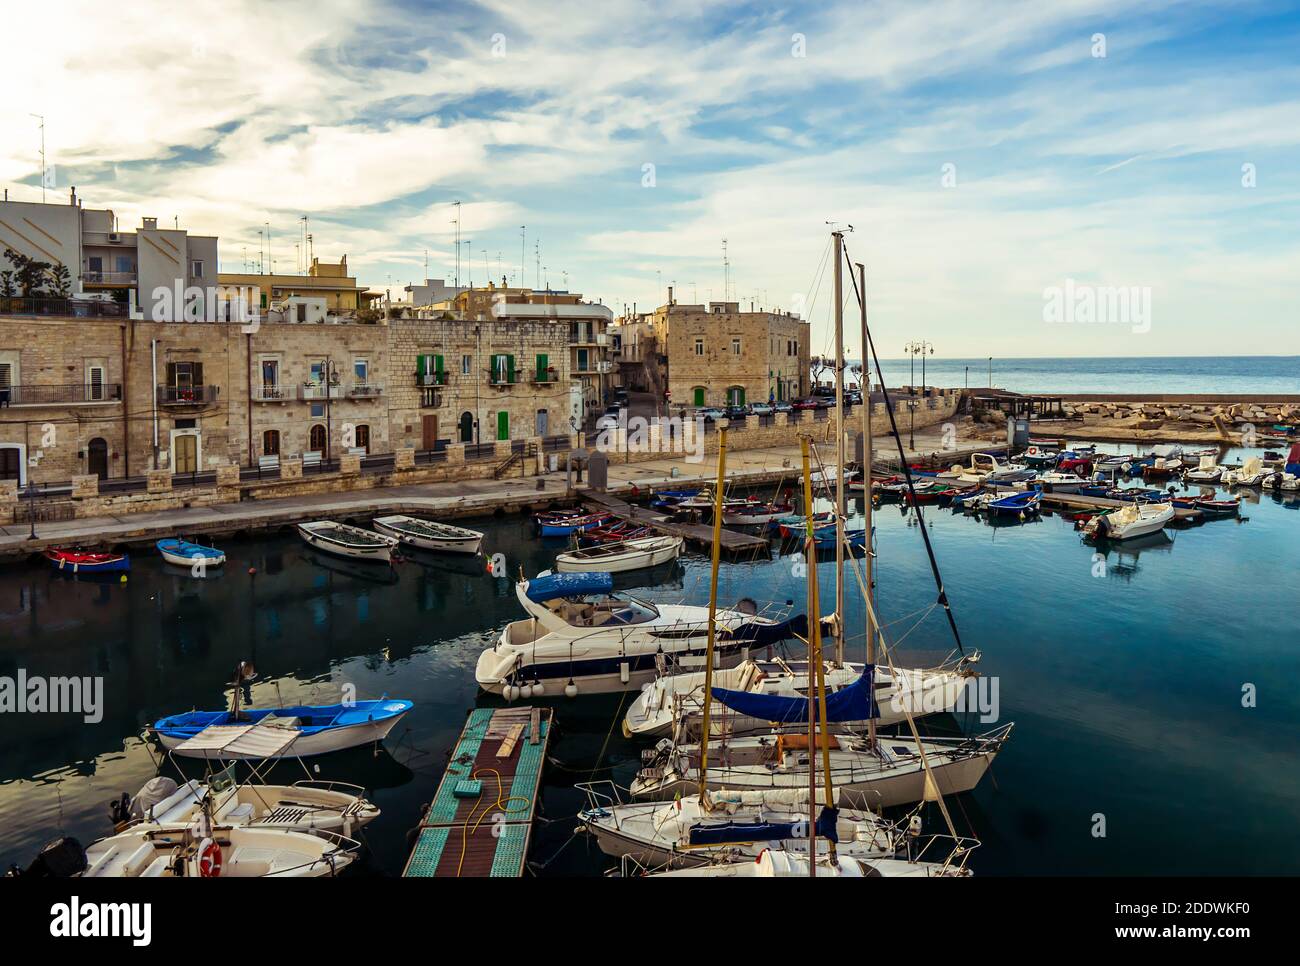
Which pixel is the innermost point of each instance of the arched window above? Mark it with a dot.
(467, 427)
(363, 437)
(316, 440)
(271, 442)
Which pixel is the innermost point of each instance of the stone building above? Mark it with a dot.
(718, 355)
(325, 281)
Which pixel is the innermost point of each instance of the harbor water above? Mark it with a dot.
(1152, 686)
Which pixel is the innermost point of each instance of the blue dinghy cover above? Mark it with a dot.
(763, 634)
(542, 589)
(765, 831)
(852, 703)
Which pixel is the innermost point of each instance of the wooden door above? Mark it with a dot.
(97, 458)
(186, 457)
(430, 425)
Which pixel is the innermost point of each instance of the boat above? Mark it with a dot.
(1014, 504)
(793, 524)
(1251, 473)
(933, 492)
(1038, 457)
(1281, 480)
(891, 773)
(296, 731)
(675, 702)
(564, 523)
(981, 467)
(345, 541)
(183, 553)
(1218, 508)
(87, 562)
(779, 864)
(430, 535)
(1162, 469)
(693, 831)
(614, 533)
(1056, 481)
(217, 851)
(748, 513)
(304, 806)
(1139, 494)
(825, 538)
(1207, 470)
(578, 632)
(619, 557)
(1134, 520)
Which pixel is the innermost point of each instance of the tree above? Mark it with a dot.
(7, 289)
(60, 281)
(28, 273)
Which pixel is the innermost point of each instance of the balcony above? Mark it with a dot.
(431, 379)
(63, 308)
(546, 378)
(502, 379)
(269, 394)
(430, 397)
(316, 390)
(187, 395)
(364, 390)
(69, 395)
(108, 278)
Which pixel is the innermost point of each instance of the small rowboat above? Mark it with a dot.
(293, 732)
(1016, 504)
(345, 541)
(824, 539)
(619, 557)
(183, 553)
(615, 533)
(754, 513)
(563, 523)
(430, 535)
(84, 562)
(1218, 508)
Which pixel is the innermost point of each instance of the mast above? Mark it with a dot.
(838, 627)
(869, 557)
(713, 612)
(817, 694)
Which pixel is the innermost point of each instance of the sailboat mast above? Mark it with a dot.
(867, 456)
(839, 448)
(713, 612)
(817, 693)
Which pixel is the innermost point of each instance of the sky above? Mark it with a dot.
(1022, 179)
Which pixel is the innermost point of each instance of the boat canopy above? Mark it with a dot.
(851, 703)
(551, 586)
(242, 741)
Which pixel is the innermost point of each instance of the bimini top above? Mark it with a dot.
(550, 586)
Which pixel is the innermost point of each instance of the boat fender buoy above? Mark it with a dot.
(510, 692)
(209, 859)
(538, 689)
(123, 580)
(526, 691)
(914, 826)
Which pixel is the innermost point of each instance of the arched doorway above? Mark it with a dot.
(316, 439)
(467, 427)
(97, 458)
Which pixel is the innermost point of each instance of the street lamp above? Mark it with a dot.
(31, 507)
(915, 349)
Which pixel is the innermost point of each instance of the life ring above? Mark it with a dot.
(209, 859)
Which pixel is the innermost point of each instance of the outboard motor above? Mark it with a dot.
(62, 858)
(120, 810)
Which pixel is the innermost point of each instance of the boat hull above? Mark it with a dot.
(377, 554)
(632, 559)
(471, 543)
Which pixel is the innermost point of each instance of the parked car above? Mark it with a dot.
(711, 414)
(808, 402)
(737, 412)
(784, 406)
(762, 409)
(852, 397)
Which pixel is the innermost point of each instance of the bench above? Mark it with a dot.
(311, 459)
(268, 464)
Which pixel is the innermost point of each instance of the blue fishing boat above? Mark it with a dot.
(279, 732)
(1015, 504)
(87, 562)
(183, 553)
(565, 523)
(824, 538)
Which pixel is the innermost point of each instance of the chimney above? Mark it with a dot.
(670, 295)
(72, 199)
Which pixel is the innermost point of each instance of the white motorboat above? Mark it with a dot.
(986, 468)
(1132, 520)
(430, 535)
(581, 638)
(1207, 470)
(891, 773)
(674, 703)
(1251, 473)
(618, 557)
(305, 806)
(345, 541)
(691, 832)
(776, 864)
(1058, 482)
(226, 851)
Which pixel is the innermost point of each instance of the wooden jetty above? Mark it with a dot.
(480, 821)
(698, 534)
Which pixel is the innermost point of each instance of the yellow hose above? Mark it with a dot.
(502, 803)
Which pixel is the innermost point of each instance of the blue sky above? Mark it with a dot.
(762, 123)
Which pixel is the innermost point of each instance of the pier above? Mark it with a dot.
(480, 821)
(697, 534)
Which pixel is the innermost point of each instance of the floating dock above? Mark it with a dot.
(480, 822)
(699, 534)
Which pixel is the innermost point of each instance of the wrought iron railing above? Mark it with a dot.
(187, 395)
(67, 308)
(59, 395)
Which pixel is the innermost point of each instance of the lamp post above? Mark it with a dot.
(31, 507)
(914, 349)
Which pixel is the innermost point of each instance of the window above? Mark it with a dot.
(198, 268)
(699, 347)
(270, 376)
(96, 264)
(302, 311)
(316, 439)
(271, 442)
(735, 347)
(6, 385)
(360, 370)
(466, 365)
(317, 410)
(503, 368)
(94, 382)
(123, 264)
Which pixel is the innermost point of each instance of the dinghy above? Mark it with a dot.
(183, 553)
(1218, 508)
(1061, 482)
(1252, 473)
(345, 541)
(579, 637)
(226, 851)
(86, 562)
(430, 535)
(1014, 504)
(1134, 520)
(264, 733)
(564, 523)
(1207, 470)
(753, 513)
(620, 557)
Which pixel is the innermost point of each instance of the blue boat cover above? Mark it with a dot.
(542, 589)
(763, 634)
(852, 703)
(765, 831)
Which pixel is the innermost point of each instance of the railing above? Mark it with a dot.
(109, 278)
(430, 397)
(431, 378)
(54, 395)
(546, 378)
(274, 393)
(364, 390)
(68, 308)
(187, 395)
(503, 378)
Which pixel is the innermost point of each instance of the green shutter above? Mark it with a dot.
(541, 367)
(503, 425)
(510, 368)
(699, 395)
